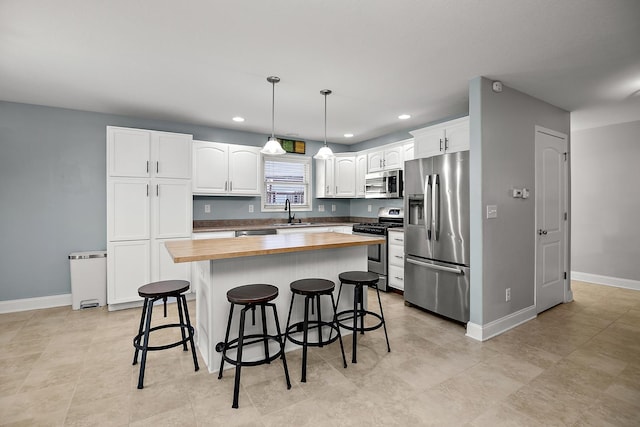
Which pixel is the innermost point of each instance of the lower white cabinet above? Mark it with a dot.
(396, 259)
(127, 269)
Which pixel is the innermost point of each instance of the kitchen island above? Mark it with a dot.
(222, 264)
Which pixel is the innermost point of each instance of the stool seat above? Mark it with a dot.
(163, 288)
(252, 294)
(359, 278)
(312, 287)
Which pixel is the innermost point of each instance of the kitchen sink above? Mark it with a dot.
(291, 224)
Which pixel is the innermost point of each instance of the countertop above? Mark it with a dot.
(203, 226)
(235, 247)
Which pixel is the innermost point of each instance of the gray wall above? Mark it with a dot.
(53, 190)
(502, 157)
(605, 201)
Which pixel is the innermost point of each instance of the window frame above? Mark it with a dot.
(308, 185)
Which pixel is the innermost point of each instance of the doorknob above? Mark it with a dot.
(542, 232)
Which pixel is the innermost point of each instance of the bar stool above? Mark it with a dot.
(250, 297)
(360, 279)
(313, 289)
(151, 293)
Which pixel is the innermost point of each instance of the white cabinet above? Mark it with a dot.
(345, 175)
(396, 259)
(225, 169)
(325, 178)
(139, 153)
(389, 158)
(447, 137)
(407, 151)
(145, 207)
(361, 172)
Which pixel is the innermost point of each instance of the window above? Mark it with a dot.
(286, 177)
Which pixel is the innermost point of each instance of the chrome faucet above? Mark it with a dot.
(287, 207)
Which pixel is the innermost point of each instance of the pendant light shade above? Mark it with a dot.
(272, 146)
(324, 152)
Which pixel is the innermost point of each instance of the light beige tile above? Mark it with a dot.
(103, 412)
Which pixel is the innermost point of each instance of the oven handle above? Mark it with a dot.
(435, 266)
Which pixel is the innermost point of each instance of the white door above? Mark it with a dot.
(361, 171)
(211, 168)
(345, 176)
(457, 136)
(172, 206)
(551, 221)
(428, 142)
(128, 209)
(127, 270)
(374, 161)
(244, 170)
(128, 152)
(393, 158)
(172, 157)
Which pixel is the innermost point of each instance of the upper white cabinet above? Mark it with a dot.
(345, 175)
(325, 178)
(447, 137)
(225, 169)
(389, 158)
(407, 151)
(361, 172)
(139, 153)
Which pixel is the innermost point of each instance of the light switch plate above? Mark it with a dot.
(207, 208)
(492, 211)
(320, 208)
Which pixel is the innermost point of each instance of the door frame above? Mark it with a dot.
(568, 294)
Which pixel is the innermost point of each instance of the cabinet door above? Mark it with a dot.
(345, 176)
(428, 141)
(407, 152)
(128, 152)
(244, 170)
(127, 270)
(374, 161)
(210, 168)
(393, 158)
(325, 178)
(162, 265)
(361, 171)
(172, 206)
(457, 135)
(128, 209)
(171, 157)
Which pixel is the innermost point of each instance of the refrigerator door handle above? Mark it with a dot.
(435, 266)
(426, 207)
(435, 205)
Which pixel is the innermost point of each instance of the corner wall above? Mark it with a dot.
(502, 157)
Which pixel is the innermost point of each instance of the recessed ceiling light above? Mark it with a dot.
(348, 135)
(404, 116)
(238, 119)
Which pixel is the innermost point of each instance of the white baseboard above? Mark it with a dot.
(606, 280)
(25, 304)
(499, 326)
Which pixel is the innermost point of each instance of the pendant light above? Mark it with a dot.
(272, 146)
(324, 152)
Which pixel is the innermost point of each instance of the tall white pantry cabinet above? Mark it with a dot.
(149, 201)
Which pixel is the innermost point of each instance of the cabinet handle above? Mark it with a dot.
(147, 190)
(147, 166)
(384, 163)
(398, 240)
(399, 257)
(380, 163)
(158, 190)
(158, 167)
(399, 278)
(446, 144)
(336, 189)
(327, 189)
(225, 185)
(440, 144)
(230, 185)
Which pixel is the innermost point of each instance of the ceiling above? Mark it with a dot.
(206, 61)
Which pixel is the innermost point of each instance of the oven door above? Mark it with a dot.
(377, 256)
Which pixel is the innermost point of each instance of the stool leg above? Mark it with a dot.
(335, 320)
(384, 324)
(164, 301)
(355, 323)
(305, 336)
(181, 317)
(336, 305)
(143, 362)
(319, 321)
(236, 385)
(284, 359)
(361, 301)
(191, 332)
(264, 332)
(142, 317)
(226, 340)
(286, 331)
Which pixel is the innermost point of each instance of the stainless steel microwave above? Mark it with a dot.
(383, 185)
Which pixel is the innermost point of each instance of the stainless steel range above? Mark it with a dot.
(387, 218)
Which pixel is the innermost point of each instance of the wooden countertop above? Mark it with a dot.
(235, 247)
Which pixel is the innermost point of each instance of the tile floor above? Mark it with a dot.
(577, 364)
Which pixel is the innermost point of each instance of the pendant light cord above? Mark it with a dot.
(273, 108)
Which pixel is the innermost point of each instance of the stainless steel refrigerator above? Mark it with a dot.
(437, 234)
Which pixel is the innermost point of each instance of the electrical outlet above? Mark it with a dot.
(507, 295)
(320, 208)
(492, 211)
(250, 208)
(333, 208)
(368, 208)
(207, 208)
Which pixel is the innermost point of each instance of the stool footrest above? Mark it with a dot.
(361, 313)
(312, 324)
(189, 330)
(257, 338)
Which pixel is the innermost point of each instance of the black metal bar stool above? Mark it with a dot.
(360, 279)
(151, 293)
(250, 297)
(313, 289)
